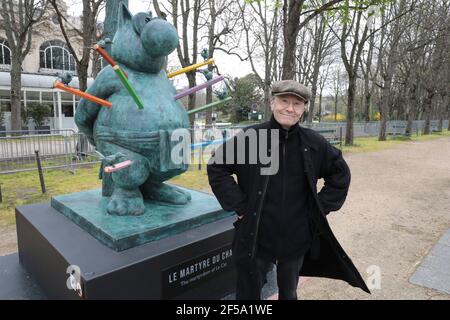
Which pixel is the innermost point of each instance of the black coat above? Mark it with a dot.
(326, 258)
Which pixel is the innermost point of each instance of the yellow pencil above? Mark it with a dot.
(190, 68)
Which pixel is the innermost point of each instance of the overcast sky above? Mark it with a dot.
(229, 65)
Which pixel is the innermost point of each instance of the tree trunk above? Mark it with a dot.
(442, 109)
(209, 96)
(320, 106)
(367, 98)
(367, 89)
(16, 87)
(409, 121)
(267, 109)
(288, 61)
(448, 116)
(350, 110)
(313, 92)
(211, 29)
(82, 77)
(192, 97)
(447, 108)
(427, 111)
(385, 103)
(335, 106)
(291, 19)
(96, 64)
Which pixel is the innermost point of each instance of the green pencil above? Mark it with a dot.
(128, 86)
(209, 105)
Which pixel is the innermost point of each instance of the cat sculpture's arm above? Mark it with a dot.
(103, 87)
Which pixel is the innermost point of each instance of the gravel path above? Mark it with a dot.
(8, 240)
(397, 208)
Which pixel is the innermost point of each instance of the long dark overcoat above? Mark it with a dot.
(326, 258)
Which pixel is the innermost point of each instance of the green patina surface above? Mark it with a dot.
(160, 220)
(124, 131)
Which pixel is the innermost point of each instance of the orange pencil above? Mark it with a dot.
(82, 94)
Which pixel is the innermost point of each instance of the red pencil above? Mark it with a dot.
(106, 56)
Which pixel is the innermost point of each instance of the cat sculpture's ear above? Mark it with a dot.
(125, 15)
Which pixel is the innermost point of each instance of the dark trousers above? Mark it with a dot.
(251, 279)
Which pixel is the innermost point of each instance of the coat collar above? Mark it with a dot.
(306, 137)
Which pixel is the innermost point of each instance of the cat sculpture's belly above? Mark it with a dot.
(145, 131)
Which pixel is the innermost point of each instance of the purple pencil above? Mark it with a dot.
(197, 88)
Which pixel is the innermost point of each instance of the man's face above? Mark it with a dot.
(287, 109)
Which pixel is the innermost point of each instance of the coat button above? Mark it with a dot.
(259, 192)
(306, 149)
(254, 213)
(251, 234)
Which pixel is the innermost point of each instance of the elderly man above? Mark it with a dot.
(281, 219)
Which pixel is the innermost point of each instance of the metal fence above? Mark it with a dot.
(372, 128)
(57, 149)
(69, 149)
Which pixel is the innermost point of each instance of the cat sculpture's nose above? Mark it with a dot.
(159, 37)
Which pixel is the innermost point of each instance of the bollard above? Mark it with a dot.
(1, 197)
(200, 157)
(41, 176)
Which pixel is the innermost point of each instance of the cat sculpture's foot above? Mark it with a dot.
(125, 202)
(165, 193)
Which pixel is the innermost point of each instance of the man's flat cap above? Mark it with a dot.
(291, 87)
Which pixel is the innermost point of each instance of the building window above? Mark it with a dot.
(55, 56)
(5, 52)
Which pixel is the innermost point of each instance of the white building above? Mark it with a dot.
(48, 57)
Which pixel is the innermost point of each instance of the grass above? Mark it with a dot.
(46, 161)
(369, 144)
(24, 188)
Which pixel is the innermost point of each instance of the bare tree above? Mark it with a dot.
(293, 10)
(323, 79)
(18, 19)
(369, 75)
(337, 85)
(316, 44)
(393, 56)
(88, 32)
(185, 15)
(352, 59)
(221, 23)
(261, 24)
(353, 37)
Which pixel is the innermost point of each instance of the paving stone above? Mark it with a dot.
(434, 270)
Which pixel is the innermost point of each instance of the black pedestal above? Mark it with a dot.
(15, 282)
(195, 264)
